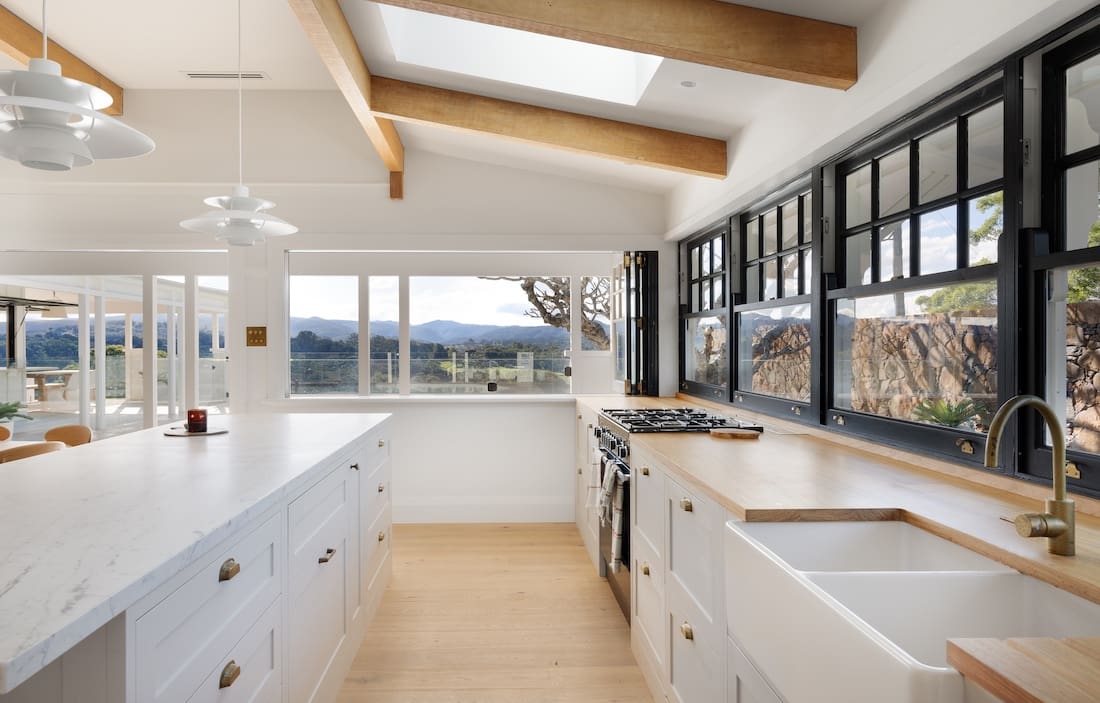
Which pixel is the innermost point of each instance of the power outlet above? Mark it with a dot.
(255, 336)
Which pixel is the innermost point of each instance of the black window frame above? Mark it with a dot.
(717, 233)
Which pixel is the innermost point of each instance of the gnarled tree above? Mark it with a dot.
(549, 298)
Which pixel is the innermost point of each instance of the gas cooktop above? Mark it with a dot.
(672, 420)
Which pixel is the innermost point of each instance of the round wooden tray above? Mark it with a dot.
(182, 432)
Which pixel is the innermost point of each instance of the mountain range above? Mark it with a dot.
(437, 331)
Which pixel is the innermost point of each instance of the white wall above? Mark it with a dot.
(909, 52)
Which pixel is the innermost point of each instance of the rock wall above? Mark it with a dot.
(780, 356)
(1082, 381)
(897, 362)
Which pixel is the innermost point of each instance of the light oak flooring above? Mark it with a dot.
(495, 614)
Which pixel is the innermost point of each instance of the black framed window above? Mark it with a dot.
(773, 315)
(914, 321)
(705, 319)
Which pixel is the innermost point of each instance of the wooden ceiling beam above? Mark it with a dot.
(621, 141)
(709, 32)
(328, 30)
(22, 42)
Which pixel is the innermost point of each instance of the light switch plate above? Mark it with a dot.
(255, 336)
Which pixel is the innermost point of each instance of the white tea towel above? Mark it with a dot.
(607, 489)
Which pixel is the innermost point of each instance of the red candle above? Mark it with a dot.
(196, 420)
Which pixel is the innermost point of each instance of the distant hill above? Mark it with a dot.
(437, 331)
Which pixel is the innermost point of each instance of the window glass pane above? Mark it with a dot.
(893, 182)
(893, 251)
(771, 280)
(986, 218)
(752, 240)
(807, 270)
(693, 262)
(596, 321)
(1082, 229)
(695, 305)
(704, 257)
(704, 295)
(470, 331)
(939, 240)
(705, 360)
(1082, 106)
(1080, 322)
(857, 268)
(857, 195)
(790, 224)
(807, 217)
(324, 334)
(773, 352)
(718, 291)
(985, 145)
(771, 232)
(752, 284)
(790, 274)
(937, 154)
(716, 253)
(384, 313)
(925, 356)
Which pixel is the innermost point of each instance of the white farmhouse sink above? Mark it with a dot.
(887, 545)
(876, 635)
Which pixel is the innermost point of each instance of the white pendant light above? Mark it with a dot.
(241, 220)
(53, 123)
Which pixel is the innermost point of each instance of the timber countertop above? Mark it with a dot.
(794, 472)
(87, 531)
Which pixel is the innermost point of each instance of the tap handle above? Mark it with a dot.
(1039, 525)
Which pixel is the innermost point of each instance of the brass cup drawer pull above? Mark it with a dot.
(229, 674)
(381, 443)
(686, 506)
(645, 569)
(329, 554)
(230, 568)
(381, 488)
(687, 632)
(645, 471)
(381, 536)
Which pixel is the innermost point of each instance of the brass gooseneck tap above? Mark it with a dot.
(1057, 523)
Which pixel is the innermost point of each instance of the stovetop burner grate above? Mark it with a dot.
(672, 420)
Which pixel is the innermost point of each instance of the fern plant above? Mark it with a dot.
(941, 411)
(10, 410)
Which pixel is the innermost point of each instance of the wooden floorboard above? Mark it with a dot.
(495, 614)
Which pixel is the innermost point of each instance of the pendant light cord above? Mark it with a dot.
(44, 41)
(240, 103)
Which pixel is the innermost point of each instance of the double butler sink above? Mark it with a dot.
(862, 611)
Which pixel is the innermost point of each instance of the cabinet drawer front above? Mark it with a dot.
(318, 591)
(694, 529)
(376, 451)
(648, 601)
(257, 662)
(375, 550)
(181, 638)
(696, 653)
(648, 509)
(374, 494)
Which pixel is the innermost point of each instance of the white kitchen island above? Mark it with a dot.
(154, 568)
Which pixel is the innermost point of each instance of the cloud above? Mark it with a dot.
(513, 308)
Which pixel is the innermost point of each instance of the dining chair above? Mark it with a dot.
(71, 435)
(27, 450)
(4, 433)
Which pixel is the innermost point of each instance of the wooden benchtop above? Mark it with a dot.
(1031, 669)
(793, 472)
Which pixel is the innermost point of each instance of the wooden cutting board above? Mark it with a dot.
(734, 433)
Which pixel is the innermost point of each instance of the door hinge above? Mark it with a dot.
(626, 259)
(640, 322)
(639, 259)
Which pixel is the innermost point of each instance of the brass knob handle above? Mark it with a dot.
(645, 569)
(355, 466)
(381, 442)
(229, 674)
(381, 487)
(687, 632)
(381, 536)
(1039, 525)
(329, 554)
(230, 568)
(645, 471)
(685, 505)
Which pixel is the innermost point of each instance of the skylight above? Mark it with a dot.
(515, 56)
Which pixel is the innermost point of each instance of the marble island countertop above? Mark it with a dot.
(86, 532)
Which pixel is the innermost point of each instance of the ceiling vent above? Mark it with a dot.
(246, 75)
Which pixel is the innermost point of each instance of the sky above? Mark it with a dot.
(459, 298)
